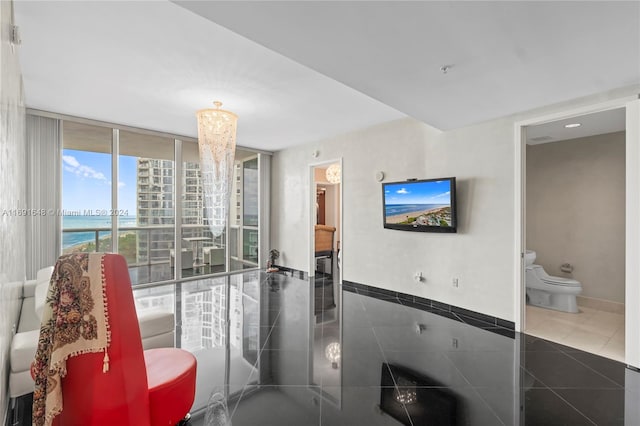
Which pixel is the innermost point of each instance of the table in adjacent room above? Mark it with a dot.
(198, 259)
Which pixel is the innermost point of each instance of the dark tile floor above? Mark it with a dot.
(401, 365)
(311, 354)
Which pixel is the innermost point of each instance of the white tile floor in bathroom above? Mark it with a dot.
(590, 330)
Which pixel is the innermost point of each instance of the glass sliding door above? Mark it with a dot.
(146, 195)
(86, 188)
(250, 211)
(244, 217)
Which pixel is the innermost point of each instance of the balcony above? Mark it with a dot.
(147, 250)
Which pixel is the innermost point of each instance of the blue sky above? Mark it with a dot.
(434, 192)
(86, 181)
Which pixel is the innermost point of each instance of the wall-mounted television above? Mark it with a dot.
(427, 205)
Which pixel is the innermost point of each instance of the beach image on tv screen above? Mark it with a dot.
(418, 203)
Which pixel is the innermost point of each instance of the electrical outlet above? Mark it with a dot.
(454, 282)
(454, 343)
(417, 277)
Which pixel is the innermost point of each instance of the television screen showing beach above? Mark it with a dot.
(418, 203)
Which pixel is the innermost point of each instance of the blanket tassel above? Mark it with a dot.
(105, 362)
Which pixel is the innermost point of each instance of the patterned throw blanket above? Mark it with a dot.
(74, 322)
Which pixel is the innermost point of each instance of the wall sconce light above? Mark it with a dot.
(332, 352)
(333, 173)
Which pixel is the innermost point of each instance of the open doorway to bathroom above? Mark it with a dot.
(574, 232)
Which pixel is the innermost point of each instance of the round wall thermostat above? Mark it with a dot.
(380, 176)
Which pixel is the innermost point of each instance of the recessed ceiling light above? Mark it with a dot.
(572, 125)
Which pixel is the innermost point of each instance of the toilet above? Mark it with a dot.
(548, 291)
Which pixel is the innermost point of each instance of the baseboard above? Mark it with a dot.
(456, 313)
(601, 304)
(302, 275)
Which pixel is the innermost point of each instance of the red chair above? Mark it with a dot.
(153, 387)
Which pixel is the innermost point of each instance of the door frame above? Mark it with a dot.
(335, 400)
(312, 214)
(631, 104)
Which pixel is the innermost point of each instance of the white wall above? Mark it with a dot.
(481, 156)
(364, 153)
(12, 194)
(386, 258)
(576, 211)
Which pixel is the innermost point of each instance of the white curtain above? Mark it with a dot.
(264, 208)
(44, 183)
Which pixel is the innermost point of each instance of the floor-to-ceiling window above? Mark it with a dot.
(86, 188)
(244, 229)
(145, 188)
(146, 191)
(129, 182)
(204, 253)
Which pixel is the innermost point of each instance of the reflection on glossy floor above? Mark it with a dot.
(282, 352)
(591, 330)
(400, 365)
(164, 272)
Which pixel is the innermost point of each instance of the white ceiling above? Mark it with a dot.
(310, 70)
(590, 124)
(153, 64)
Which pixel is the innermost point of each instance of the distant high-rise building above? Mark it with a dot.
(155, 193)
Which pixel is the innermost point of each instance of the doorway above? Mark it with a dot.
(626, 334)
(325, 271)
(326, 221)
(575, 232)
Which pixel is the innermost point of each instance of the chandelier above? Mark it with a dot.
(405, 396)
(405, 391)
(217, 147)
(333, 173)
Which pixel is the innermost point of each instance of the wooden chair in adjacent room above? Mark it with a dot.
(324, 236)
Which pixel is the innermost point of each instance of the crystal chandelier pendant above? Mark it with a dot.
(217, 147)
(405, 391)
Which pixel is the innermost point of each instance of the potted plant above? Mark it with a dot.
(271, 263)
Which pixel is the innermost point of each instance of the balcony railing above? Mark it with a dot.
(151, 244)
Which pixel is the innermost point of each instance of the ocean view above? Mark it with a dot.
(395, 209)
(91, 222)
